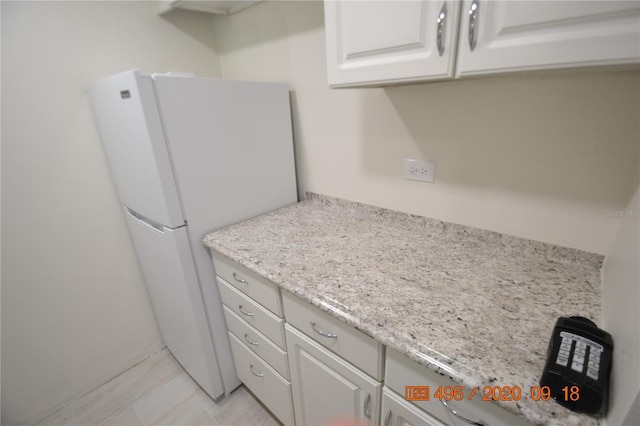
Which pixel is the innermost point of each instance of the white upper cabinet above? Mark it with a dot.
(372, 42)
(531, 35)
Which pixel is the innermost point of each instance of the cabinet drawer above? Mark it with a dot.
(259, 289)
(351, 344)
(270, 388)
(401, 371)
(257, 342)
(256, 315)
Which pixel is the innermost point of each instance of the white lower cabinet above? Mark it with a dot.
(253, 312)
(396, 411)
(327, 389)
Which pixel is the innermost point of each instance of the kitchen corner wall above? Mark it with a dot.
(542, 156)
(620, 303)
(75, 310)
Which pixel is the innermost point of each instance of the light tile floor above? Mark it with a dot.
(157, 391)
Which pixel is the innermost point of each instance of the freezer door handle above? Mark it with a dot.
(144, 221)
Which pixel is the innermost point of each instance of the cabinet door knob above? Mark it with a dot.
(322, 333)
(461, 417)
(473, 23)
(367, 407)
(441, 28)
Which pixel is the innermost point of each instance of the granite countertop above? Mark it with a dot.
(474, 305)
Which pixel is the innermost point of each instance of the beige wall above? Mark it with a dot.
(537, 156)
(75, 310)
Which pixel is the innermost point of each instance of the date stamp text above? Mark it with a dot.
(488, 393)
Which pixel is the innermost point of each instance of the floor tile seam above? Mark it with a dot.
(177, 405)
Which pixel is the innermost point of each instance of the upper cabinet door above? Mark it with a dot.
(503, 36)
(371, 42)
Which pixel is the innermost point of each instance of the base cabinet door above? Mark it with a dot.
(398, 412)
(327, 389)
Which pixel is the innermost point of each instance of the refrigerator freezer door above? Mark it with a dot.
(131, 130)
(167, 265)
(231, 147)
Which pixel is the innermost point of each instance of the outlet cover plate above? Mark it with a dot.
(424, 171)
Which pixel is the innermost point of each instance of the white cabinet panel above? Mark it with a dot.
(529, 35)
(369, 42)
(326, 389)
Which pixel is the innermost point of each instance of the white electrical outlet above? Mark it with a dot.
(424, 171)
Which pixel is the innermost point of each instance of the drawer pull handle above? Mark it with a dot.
(249, 314)
(249, 341)
(473, 24)
(461, 417)
(441, 28)
(387, 419)
(322, 333)
(254, 373)
(240, 280)
(367, 407)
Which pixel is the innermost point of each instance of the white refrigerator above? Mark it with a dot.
(189, 155)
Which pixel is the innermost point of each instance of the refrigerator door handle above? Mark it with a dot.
(145, 221)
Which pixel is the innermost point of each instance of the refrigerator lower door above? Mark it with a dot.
(169, 271)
